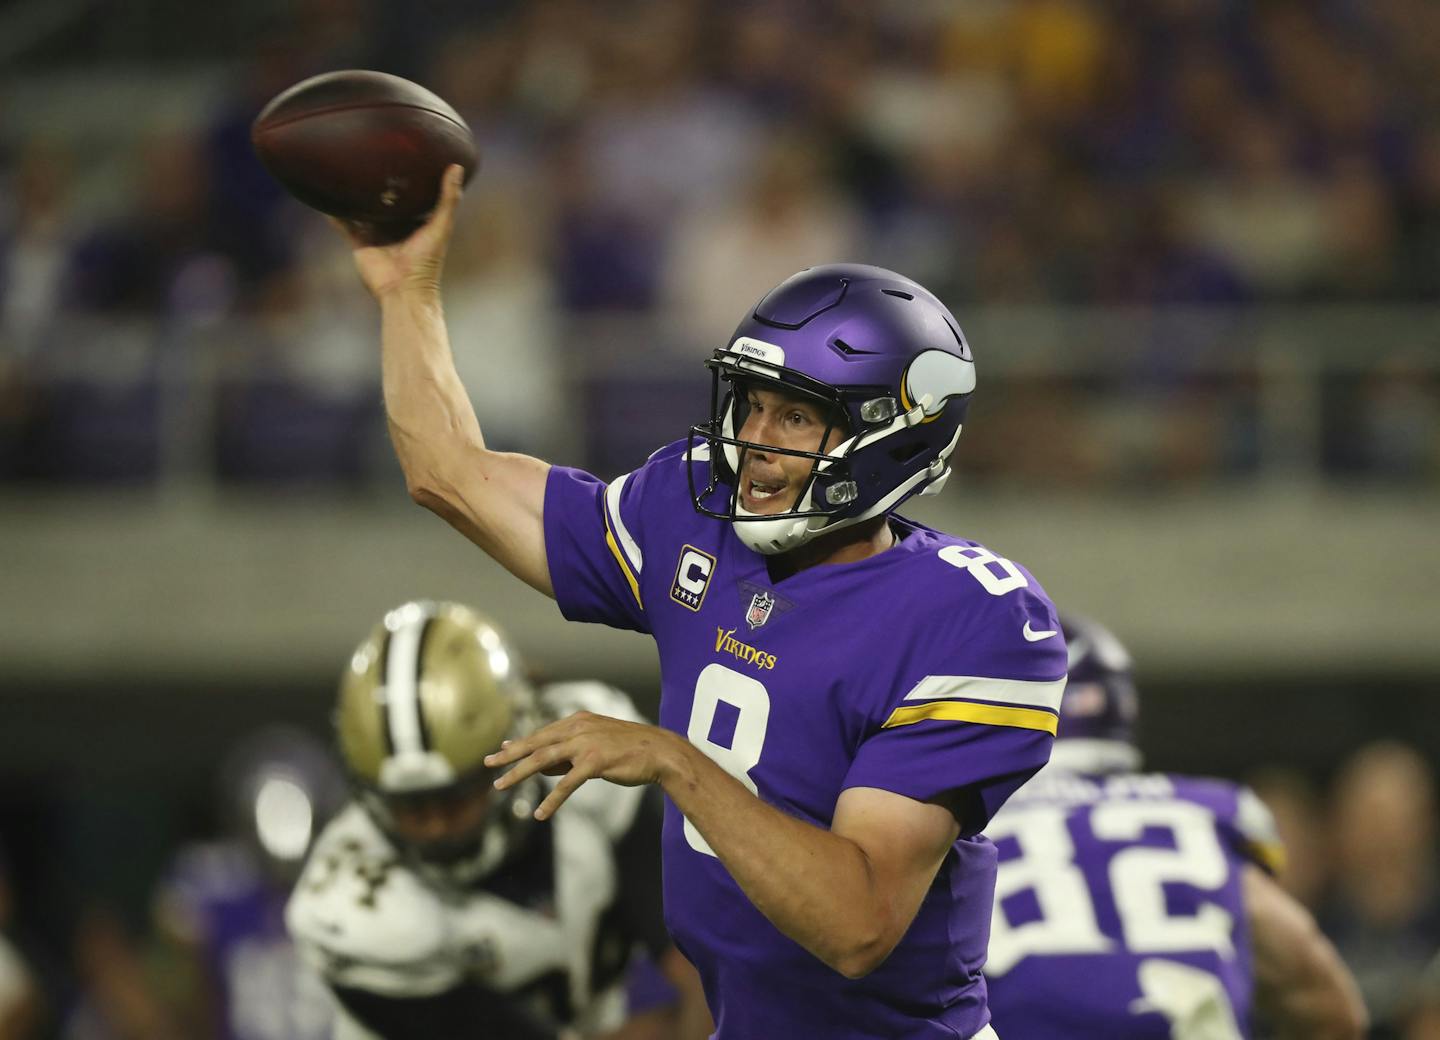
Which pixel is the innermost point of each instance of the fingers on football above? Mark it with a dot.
(450, 189)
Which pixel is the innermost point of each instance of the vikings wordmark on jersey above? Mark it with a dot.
(908, 671)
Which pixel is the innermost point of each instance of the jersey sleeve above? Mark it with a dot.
(593, 545)
(1252, 831)
(978, 718)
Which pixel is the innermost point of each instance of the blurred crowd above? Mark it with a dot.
(205, 955)
(651, 167)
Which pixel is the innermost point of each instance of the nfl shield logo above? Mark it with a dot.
(760, 606)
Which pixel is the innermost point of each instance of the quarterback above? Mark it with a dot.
(847, 696)
(434, 907)
(1140, 906)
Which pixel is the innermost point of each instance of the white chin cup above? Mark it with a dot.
(773, 535)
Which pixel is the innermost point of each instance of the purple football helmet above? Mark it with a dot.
(889, 365)
(1100, 707)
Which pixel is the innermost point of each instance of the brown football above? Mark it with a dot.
(364, 146)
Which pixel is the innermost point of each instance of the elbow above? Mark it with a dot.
(862, 956)
(423, 493)
(858, 967)
(427, 488)
(1356, 1024)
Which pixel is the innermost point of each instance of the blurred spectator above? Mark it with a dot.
(505, 331)
(37, 231)
(1261, 213)
(1012, 153)
(1383, 910)
(299, 400)
(1400, 418)
(783, 222)
(139, 261)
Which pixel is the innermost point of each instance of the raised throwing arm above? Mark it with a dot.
(494, 498)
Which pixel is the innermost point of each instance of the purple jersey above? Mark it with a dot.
(927, 669)
(219, 898)
(1118, 910)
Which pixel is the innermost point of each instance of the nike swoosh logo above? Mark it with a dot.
(1032, 636)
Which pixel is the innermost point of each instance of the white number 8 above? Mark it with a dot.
(978, 560)
(748, 696)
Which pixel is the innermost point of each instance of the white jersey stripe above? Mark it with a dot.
(1036, 694)
(622, 534)
(402, 697)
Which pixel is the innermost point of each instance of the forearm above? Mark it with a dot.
(496, 499)
(815, 886)
(432, 422)
(1300, 981)
(1318, 1003)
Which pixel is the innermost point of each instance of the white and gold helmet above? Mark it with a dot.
(431, 691)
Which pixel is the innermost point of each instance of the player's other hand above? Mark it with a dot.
(414, 263)
(582, 747)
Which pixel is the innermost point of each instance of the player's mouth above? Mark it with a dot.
(760, 496)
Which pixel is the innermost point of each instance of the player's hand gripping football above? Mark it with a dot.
(414, 262)
(585, 746)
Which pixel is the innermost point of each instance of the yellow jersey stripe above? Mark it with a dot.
(964, 711)
(1270, 855)
(624, 567)
(616, 523)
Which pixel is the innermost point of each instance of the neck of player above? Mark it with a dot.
(847, 545)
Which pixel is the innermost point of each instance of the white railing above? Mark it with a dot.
(1123, 394)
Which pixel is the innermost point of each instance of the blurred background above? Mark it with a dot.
(1195, 245)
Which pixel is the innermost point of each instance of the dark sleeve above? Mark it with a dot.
(640, 907)
(467, 1012)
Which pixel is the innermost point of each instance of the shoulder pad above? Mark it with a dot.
(562, 699)
(365, 919)
(610, 806)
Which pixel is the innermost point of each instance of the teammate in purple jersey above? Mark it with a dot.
(1133, 906)
(221, 905)
(859, 693)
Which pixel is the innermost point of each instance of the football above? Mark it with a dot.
(364, 146)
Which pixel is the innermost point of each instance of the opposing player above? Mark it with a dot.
(847, 696)
(1142, 905)
(434, 906)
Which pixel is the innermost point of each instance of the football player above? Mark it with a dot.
(436, 907)
(847, 696)
(231, 970)
(1144, 905)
